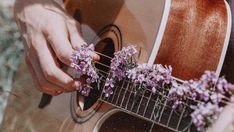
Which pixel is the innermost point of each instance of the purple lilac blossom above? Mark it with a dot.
(153, 76)
(82, 63)
(209, 88)
(119, 66)
(205, 114)
(177, 93)
(232, 99)
(121, 60)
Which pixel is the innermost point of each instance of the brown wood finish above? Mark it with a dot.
(194, 37)
(188, 43)
(138, 24)
(23, 115)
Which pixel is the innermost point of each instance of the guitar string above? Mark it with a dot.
(108, 57)
(140, 103)
(153, 111)
(121, 105)
(133, 103)
(122, 85)
(147, 103)
(181, 116)
(103, 64)
(130, 91)
(131, 87)
(168, 121)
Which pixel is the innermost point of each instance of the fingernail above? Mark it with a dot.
(95, 56)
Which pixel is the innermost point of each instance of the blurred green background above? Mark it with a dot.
(11, 51)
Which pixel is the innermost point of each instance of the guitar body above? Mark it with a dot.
(192, 36)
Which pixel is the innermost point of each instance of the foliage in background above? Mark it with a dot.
(11, 54)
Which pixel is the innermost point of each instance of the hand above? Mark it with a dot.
(225, 122)
(50, 36)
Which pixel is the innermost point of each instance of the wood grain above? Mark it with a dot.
(194, 37)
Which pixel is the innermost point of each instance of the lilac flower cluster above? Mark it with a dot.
(209, 90)
(152, 76)
(82, 63)
(123, 60)
(205, 114)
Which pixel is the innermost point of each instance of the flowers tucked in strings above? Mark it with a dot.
(205, 114)
(152, 76)
(209, 88)
(209, 91)
(123, 65)
(82, 63)
(123, 61)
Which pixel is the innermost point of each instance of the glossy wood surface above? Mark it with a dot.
(194, 37)
(192, 43)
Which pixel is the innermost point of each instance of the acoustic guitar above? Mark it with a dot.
(191, 36)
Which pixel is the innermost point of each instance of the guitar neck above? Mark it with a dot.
(152, 107)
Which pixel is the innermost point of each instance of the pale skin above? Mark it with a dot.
(50, 36)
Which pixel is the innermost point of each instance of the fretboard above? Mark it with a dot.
(152, 107)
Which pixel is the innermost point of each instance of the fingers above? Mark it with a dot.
(57, 36)
(75, 36)
(45, 88)
(95, 56)
(49, 66)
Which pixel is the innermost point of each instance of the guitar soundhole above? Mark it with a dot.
(107, 41)
(106, 47)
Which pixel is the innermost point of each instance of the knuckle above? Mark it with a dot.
(73, 33)
(64, 56)
(50, 74)
(45, 90)
(71, 21)
(50, 29)
(43, 84)
(69, 84)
